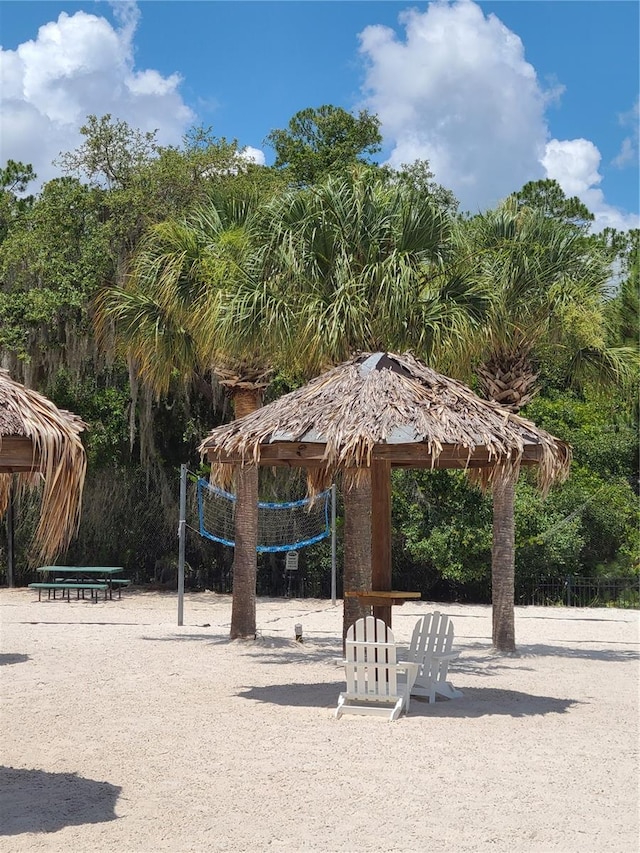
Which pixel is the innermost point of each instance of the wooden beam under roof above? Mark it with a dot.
(17, 456)
(414, 455)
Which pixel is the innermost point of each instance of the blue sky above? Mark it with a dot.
(492, 94)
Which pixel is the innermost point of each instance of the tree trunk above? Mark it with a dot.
(245, 563)
(503, 565)
(357, 548)
(508, 378)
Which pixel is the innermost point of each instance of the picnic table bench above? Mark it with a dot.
(67, 586)
(112, 583)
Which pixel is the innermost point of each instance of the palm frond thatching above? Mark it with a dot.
(386, 406)
(40, 444)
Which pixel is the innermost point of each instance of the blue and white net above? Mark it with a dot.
(281, 526)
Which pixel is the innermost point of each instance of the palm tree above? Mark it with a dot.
(369, 262)
(547, 283)
(196, 301)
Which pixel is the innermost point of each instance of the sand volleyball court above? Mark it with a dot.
(123, 732)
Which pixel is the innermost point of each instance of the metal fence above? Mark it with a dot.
(572, 591)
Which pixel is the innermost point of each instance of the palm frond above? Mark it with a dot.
(606, 366)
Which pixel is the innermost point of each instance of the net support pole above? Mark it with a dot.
(333, 543)
(182, 530)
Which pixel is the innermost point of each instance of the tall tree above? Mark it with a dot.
(323, 140)
(419, 177)
(548, 196)
(112, 154)
(370, 262)
(623, 310)
(197, 300)
(548, 283)
(14, 180)
(54, 257)
(145, 182)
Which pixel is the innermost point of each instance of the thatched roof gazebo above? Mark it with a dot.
(379, 411)
(41, 445)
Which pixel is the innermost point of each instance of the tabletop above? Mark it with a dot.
(85, 570)
(383, 598)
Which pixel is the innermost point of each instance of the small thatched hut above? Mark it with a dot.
(40, 444)
(390, 408)
(382, 410)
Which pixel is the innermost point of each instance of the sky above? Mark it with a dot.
(492, 94)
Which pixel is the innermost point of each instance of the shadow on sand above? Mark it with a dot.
(475, 657)
(267, 649)
(491, 701)
(527, 652)
(13, 658)
(38, 801)
(475, 702)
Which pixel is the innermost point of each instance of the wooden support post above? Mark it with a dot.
(381, 533)
(11, 534)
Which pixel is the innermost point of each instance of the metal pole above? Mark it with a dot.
(10, 536)
(333, 543)
(182, 530)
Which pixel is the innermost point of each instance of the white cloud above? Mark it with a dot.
(455, 89)
(152, 83)
(629, 149)
(627, 153)
(127, 13)
(253, 155)
(76, 66)
(574, 164)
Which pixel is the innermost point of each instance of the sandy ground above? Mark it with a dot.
(121, 731)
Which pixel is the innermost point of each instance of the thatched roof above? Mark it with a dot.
(385, 406)
(40, 444)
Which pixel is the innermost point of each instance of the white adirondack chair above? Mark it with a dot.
(377, 683)
(430, 649)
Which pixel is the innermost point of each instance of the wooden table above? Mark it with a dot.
(381, 601)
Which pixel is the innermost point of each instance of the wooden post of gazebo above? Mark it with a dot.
(381, 597)
(11, 551)
(381, 534)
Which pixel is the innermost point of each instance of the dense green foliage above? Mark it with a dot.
(547, 196)
(588, 526)
(84, 233)
(323, 141)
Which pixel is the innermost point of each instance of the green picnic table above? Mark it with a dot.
(87, 577)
